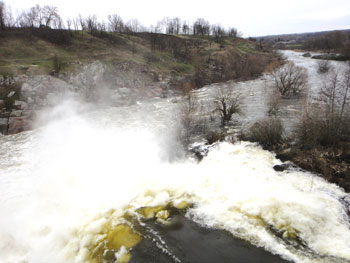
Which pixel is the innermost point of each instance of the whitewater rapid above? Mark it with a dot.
(60, 184)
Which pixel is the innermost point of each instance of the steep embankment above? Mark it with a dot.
(38, 66)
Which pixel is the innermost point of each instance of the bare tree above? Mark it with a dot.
(185, 28)
(76, 24)
(49, 16)
(2, 16)
(323, 66)
(82, 23)
(290, 80)
(188, 111)
(227, 102)
(116, 23)
(134, 26)
(233, 32)
(6, 19)
(30, 18)
(91, 24)
(330, 93)
(328, 123)
(345, 90)
(201, 27)
(69, 24)
(273, 105)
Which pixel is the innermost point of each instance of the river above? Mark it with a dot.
(63, 183)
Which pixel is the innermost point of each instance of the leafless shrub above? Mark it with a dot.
(273, 105)
(323, 66)
(267, 132)
(57, 64)
(191, 120)
(328, 122)
(290, 80)
(227, 102)
(317, 128)
(216, 136)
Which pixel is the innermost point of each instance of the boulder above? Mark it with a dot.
(16, 113)
(11, 94)
(307, 55)
(280, 167)
(18, 124)
(5, 114)
(20, 105)
(3, 125)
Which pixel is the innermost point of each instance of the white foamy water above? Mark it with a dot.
(58, 183)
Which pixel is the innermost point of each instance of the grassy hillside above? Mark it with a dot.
(203, 59)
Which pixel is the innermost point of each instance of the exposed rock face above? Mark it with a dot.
(3, 125)
(16, 113)
(18, 124)
(121, 84)
(41, 91)
(21, 105)
(11, 94)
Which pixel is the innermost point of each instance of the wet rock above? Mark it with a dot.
(200, 150)
(20, 105)
(18, 124)
(30, 114)
(11, 94)
(280, 167)
(191, 242)
(2, 104)
(16, 113)
(307, 55)
(124, 91)
(3, 125)
(23, 68)
(5, 114)
(30, 100)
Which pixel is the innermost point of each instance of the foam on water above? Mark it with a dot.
(60, 183)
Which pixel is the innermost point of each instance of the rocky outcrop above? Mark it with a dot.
(113, 85)
(4, 125)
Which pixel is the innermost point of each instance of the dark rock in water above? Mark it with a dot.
(192, 243)
(200, 150)
(307, 55)
(337, 57)
(280, 167)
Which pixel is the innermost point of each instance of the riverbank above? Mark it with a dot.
(114, 70)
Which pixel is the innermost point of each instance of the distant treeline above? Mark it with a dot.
(328, 41)
(335, 40)
(48, 17)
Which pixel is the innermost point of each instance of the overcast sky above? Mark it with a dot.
(251, 17)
